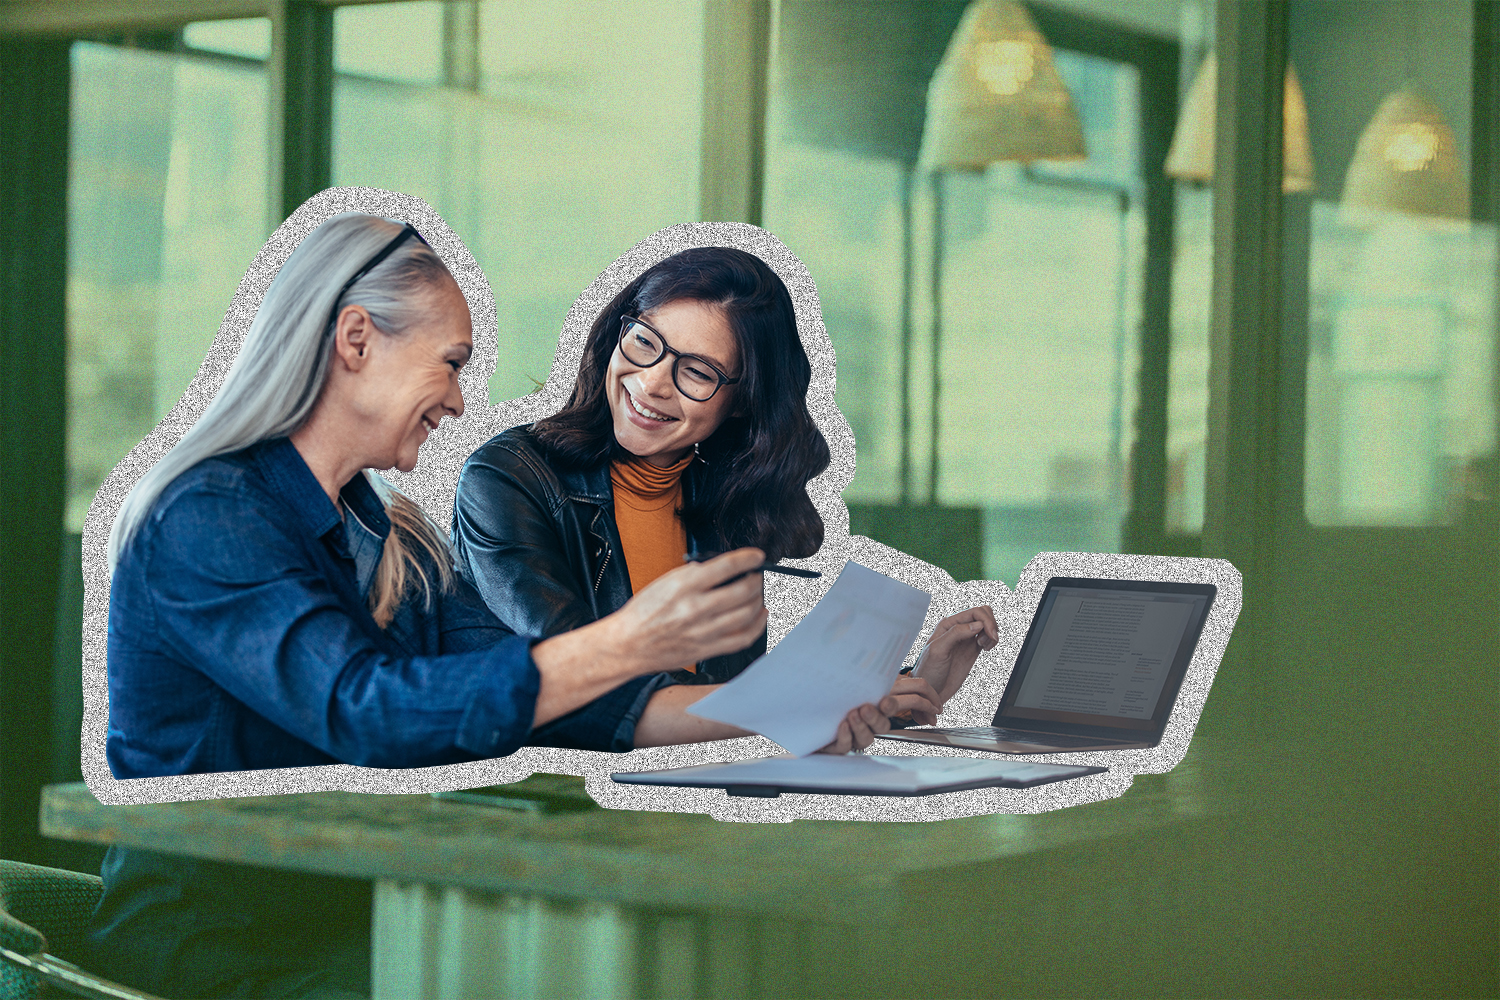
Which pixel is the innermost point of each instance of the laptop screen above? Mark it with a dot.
(1107, 653)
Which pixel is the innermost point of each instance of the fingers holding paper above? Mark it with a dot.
(861, 725)
(858, 729)
(698, 610)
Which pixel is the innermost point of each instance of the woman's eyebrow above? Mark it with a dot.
(466, 349)
(711, 360)
(691, 354)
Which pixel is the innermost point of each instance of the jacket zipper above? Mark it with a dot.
(604, 544)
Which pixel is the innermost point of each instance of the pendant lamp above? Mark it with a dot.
(1406, 161)
(1191, 157)
(997, 96)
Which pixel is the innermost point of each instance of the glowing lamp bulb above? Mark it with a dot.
(1004, 66)
(1414, 147)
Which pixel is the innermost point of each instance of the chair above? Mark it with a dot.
(60, 903)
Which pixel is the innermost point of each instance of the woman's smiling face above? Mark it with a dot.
(652, 418)
(411, 382)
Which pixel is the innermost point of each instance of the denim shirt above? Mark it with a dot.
(240, 638)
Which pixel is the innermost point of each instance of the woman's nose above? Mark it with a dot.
(453, 402)
(657, 380)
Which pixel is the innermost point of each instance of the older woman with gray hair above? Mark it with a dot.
(273, 606)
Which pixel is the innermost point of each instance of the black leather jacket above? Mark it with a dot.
(541, 544)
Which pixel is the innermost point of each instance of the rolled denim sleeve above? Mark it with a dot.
(606, 723)
(262, 623)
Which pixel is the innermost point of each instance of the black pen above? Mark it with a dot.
(810, 574)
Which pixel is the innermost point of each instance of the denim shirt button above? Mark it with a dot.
(495, 738)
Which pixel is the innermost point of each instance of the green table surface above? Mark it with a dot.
(648, 859)
(1346, 869)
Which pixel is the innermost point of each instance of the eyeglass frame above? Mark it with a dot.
(666, 349)
(407, 230)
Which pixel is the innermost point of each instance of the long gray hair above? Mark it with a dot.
(280, 370)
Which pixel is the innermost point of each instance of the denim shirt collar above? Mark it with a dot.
(290, 478)
(362, 537)
(365, 529)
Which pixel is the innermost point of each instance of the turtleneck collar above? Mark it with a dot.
(647, 481)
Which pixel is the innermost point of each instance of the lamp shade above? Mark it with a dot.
(1191, 157)
(997, 96)
(1406, 161)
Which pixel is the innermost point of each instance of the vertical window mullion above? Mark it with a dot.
(1485, 167)
(736, 54)
(1242, 487)
(301, 98)
(34, 90)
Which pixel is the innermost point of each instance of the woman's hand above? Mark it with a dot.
(859, 728)
(955, 644)
(693, 612)
(685, 616)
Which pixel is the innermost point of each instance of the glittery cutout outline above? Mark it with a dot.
(433, 484)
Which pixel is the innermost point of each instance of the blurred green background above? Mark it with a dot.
(1065, 356)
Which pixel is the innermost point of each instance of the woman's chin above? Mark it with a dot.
(649, 452)
(635, 440)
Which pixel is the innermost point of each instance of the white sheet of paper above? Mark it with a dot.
(847, 651)
(854, 771)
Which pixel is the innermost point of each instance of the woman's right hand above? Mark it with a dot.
(684, 616)
(692, 613)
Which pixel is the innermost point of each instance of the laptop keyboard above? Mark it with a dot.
(1017, 736)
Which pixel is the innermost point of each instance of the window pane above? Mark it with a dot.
(840, 213)
(248, 37)
(1040, 345)
(1400, 288)
(1187, 373)
(166, 208)
(1039, 292)
(401, 41)
(552, 138)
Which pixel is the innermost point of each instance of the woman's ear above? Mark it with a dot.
(351, 336)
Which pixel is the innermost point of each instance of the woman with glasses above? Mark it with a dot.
(272, 606)
(687, 432)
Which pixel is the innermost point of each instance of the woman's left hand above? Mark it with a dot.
(955, 644)
(859, 728)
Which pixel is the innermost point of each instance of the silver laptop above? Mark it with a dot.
(1100, 670)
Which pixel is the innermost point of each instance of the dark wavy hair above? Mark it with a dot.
(759, 461)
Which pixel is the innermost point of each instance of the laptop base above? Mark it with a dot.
(949, 738)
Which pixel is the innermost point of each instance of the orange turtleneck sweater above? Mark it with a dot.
(646, 502)
(651, 534)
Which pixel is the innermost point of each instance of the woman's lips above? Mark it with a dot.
(641, 415)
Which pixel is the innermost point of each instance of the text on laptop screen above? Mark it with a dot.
(1102, 656)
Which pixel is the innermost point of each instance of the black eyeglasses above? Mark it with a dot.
(374, 262)
(696, 378)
